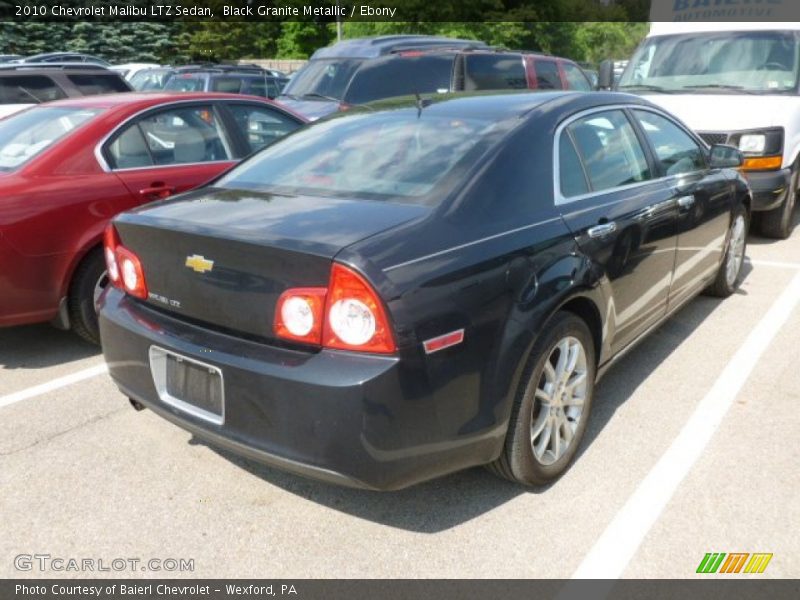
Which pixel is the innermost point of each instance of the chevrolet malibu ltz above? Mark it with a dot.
(395, 294)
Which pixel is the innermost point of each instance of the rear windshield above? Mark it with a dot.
(401, 76)
(185, 83)
(27, 134)
(29, 89)
(89, 85)
(379, 156)
(323, 78)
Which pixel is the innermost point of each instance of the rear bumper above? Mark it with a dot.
(345, 418)
(769, 188)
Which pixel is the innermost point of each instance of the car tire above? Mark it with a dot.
(89, 279)
(779, 222)
(729, 274)
(532, 457)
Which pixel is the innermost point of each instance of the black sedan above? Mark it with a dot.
(390, 295)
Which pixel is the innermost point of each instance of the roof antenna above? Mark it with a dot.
(420, 103)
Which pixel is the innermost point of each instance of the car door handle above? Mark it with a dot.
(686, 202)
(157, 191)
(602, 230)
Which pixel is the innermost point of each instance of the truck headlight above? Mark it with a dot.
(753, 142)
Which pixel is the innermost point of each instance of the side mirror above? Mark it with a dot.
(726, 157)
(605, 77)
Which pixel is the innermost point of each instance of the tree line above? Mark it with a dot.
(604, 32)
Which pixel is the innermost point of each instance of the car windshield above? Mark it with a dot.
(29, 133)
(380, 156)
(150, 79)
(323, 78)
(762, 62)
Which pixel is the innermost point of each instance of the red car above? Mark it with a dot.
(67, 167)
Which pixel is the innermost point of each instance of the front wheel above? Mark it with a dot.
(729, 275)
(779, 222)
(552, 404)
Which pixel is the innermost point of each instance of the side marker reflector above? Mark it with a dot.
(443, 341)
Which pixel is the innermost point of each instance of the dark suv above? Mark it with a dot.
(231, 79)
(363, 70)
(25, 84)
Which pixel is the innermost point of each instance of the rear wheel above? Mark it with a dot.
(779, 222)
(729, 275)
(87, 284)
(552, 404)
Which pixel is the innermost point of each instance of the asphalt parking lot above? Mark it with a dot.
(692, 448)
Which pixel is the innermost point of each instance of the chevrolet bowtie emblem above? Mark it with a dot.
(199, 263)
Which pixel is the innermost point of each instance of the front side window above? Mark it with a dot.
(765, 62)
(675, 149)
(547, 77)
(379, 156)
(609, 150)
(494, 72)
(25, 135)
(324, 77)
(184, 135)
(29, 89)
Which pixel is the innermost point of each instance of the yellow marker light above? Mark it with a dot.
(762, 163)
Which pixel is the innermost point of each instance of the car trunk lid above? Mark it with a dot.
(223, 257)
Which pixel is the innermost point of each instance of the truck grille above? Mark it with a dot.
(711, 138)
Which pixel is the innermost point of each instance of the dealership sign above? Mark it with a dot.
(724, 10)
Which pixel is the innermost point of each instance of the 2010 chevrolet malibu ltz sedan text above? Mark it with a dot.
(391, 295)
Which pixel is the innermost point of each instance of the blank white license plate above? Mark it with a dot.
(189, 385)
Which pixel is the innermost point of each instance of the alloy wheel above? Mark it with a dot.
(559, 400)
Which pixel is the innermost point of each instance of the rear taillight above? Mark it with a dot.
(110, 245)
(299, 315)
(354, 315)
(124, 267)
(347, 315)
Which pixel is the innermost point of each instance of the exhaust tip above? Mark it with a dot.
(137, 406)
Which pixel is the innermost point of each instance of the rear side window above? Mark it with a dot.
(576, 80)
(547, 77)
(129, 150)
(676, 150)
(184, 135)
(494, 72)
(260, 125)
(573, 178)
(609, 150)
(29, 89)
(228, 85)
(90, 85)
(400, 76)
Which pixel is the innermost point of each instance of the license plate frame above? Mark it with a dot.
(160, 363)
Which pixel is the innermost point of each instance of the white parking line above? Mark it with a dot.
(53, 385)
(774, 263)
(614, 549)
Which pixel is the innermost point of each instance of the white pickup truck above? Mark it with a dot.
(734, 83)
